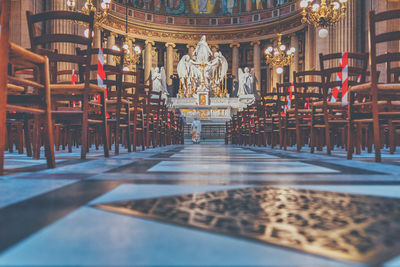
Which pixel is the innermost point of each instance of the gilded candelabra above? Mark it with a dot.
(100, 16)
(279, 56)
(132, 54)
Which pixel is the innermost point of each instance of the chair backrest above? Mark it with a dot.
(42, 41)
(382, 56)
(134, 85)
(281, 96)
(307, 86)
(331, 70)
(113, 72)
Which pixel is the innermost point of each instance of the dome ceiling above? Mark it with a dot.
(203, 7)
(188, 28)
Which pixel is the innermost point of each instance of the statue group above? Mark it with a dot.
(203, 71)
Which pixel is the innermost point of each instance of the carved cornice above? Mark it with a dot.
(167, 33)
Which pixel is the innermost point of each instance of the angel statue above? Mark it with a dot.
(216, 70)
(218, 66)
(183, 70)
(159, 80)
(246, 81)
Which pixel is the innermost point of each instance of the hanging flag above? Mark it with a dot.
(345, 78)
(289, 98)
(74, 78)
(335, 91)
(101, 74)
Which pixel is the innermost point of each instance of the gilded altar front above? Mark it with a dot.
(205, 114)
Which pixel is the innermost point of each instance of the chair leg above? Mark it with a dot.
(36, 137)
(392, 137)
(28, 143)
(85, 126)
(104, 127)
(128, 131)
(298, 137)
(350, 147)
(49, 143)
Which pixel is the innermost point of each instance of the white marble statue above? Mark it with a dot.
(159, 80)
(204, 73)
(202, 53)
(183, 70)
(218, 66)
(246, 81)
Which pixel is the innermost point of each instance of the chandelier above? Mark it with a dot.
(323, 15)
(100, 17)
(132, 54)
(279, 56)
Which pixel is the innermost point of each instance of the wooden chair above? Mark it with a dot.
(28, 94)
(329, 116)
(307, 89)
(117, 103)
(90, 114)
(134, 90)
(375, 103)
(278, 114)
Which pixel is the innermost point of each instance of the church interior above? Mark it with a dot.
(200, 133)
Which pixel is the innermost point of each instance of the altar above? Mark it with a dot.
(203, 92)
(218, 110)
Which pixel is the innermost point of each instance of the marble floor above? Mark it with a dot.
(201, 205)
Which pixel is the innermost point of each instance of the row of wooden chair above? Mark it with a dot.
(315, 109)
(57, 99)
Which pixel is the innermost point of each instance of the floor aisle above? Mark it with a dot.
(201, 205)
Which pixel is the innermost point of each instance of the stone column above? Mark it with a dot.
(148, 60)
(170, 62)
(235, 59)
(310, 54)
(190, 50)
(97, 37)
(275, 77)
(110, 44)
(257, 64)
(294, 66)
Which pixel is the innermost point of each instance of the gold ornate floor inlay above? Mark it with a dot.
(341, 226)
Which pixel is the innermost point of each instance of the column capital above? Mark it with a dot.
(254, 43)
(170, 44)
(214, 46)
(114, 34)
(149, 42)
(232, 45)
(130, 39)
(190, 46)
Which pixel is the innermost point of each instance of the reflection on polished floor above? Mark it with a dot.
(201, 205)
